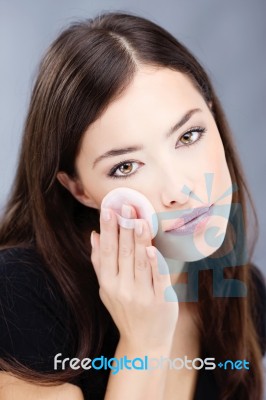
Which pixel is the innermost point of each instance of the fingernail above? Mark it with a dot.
(92, 239)
(126, 211)
(106, 214)
(150, 251)
(138, 227)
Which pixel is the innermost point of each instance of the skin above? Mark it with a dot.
(155, 101)
(125, 261)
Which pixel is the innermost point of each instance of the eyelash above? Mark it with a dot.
(199, 130)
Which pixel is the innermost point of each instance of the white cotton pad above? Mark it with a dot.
(119, 196)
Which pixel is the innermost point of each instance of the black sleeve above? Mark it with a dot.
(33, 316)
(258, 305)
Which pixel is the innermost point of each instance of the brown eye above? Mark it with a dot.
(187, 138)
(125, 168)
(191, 137)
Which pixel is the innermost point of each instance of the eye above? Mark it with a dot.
(123, 169)
(191, 136)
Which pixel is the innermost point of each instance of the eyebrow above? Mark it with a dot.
(125, 150)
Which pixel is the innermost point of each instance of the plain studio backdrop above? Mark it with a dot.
(228, 38)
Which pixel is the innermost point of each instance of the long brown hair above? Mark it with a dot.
(89, 65)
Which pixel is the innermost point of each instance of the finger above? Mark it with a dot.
(143, 273)
(126, 247)
(160, 275)
(108, 244)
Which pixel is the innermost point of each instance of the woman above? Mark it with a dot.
(119, 102)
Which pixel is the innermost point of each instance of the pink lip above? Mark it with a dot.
(186, 218)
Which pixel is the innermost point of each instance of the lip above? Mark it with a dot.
(188, 223)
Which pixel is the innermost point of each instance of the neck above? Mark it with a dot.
(179, 280)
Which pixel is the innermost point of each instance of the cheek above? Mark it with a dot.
(214, 170)
(222, 180)
(92, 191)
(93, 184)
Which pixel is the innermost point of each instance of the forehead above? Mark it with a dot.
(153, 87)
(155, 98)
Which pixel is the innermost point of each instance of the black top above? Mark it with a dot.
(34, 322)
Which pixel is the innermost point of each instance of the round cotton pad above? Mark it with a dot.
(119, 196)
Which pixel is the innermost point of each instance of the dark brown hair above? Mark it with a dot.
(89, 65)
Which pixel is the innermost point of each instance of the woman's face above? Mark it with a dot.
(161, 139)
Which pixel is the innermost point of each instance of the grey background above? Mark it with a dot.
(227, 36)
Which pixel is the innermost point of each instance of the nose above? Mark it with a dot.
(176, 190)
(176, 195)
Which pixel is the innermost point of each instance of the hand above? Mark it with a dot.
(131, 287)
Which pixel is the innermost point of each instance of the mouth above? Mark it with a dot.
(189, 223)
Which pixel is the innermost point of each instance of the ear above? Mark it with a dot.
(75, 187)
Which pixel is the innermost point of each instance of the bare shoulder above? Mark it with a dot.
(12, 388)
